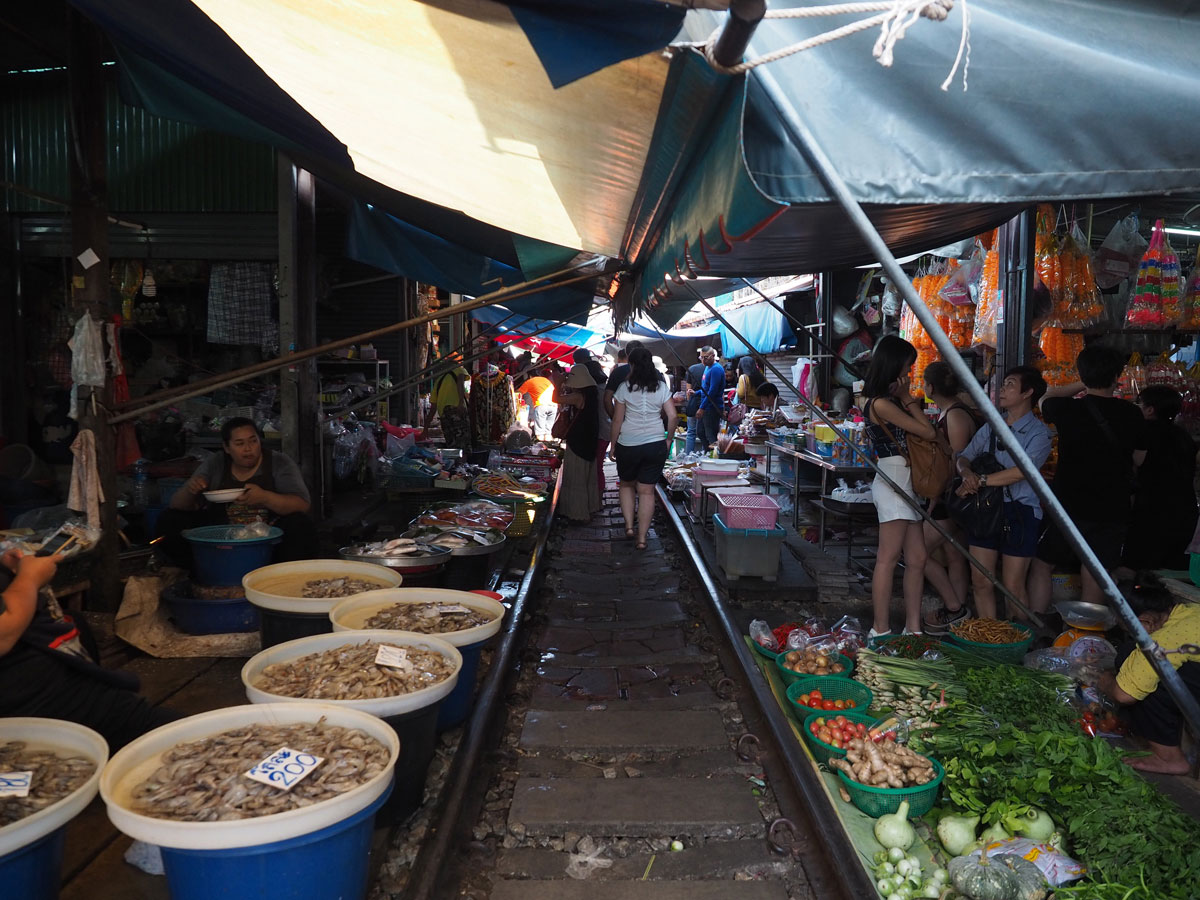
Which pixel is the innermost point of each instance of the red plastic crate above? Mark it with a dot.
(756, 511)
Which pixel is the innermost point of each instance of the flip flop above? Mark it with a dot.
(630, 534)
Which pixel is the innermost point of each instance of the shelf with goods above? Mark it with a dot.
(333, 372)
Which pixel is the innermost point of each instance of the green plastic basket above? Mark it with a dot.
(1013, 654)
(763, 651)
(831, 688)
(876, 802)
(790, 677)
(822, 751)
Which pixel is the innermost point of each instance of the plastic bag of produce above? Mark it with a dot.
(1117, 257)
(760, 633)
(1056, 867)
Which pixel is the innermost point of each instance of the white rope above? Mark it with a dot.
(964, 50)
(894, 18)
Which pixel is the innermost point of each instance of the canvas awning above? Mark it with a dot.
(681, 170)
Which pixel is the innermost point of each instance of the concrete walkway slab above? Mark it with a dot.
(569, 889)
(636, 807)
(685, 730)
(712, 859)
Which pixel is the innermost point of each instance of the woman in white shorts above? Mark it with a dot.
(892, 413)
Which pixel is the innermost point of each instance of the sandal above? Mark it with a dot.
(630, 534)
(640, 545)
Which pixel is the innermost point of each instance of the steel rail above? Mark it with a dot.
(425, 876)
(834, 842)
(837, 186)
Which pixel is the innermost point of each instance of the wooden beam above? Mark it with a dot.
(90, 291)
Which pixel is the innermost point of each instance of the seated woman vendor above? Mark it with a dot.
(273, 491)
(1153, 713)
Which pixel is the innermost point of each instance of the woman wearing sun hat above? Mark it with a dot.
(580, 497)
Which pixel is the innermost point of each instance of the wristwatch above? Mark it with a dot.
(983, 480)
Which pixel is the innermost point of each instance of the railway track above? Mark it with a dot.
(624, 744)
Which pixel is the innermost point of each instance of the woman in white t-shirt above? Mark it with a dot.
(642, 404)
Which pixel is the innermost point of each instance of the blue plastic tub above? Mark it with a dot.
(202, 615)
(34, 871)
(220, 561)
(417, 731)
(457, 705)
(332, 862)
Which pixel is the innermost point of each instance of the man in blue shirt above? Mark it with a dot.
(712, 398)
(1016, 544)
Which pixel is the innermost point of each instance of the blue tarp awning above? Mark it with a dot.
(540, 329)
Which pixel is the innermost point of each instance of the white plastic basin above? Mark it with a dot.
(68, 739)
(137, 761)
(351, 614)
(263, 586)
(379, 706)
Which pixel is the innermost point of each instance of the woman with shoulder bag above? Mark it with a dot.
(893, 413)
(1014, 542)
(946, 568)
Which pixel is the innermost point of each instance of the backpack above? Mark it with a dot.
(931, 462)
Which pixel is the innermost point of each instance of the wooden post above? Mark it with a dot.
(90, 291)
(297, 315)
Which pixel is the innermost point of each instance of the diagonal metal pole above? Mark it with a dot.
(820, 342)
(833, 181)
(819, 413)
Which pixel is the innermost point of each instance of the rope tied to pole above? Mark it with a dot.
(893, 17)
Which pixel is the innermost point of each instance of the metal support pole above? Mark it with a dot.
(744, 16)
(196, 389)
(837, 186)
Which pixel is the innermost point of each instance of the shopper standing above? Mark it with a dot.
(583, 357)
(712, 398)
(1101, 442)
(450, 404)
(892, 414)
(643, 401)
(1164, 506)
(750, 379)
(580, 498)
(695, 375)
(958, 425)
(1017, 541)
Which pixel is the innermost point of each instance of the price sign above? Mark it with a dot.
(394, 657)
(15, 784)
(453, 608)
(285, 768)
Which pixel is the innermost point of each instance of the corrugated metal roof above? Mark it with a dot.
(154, 164)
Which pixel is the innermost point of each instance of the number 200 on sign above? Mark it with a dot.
(284, 768)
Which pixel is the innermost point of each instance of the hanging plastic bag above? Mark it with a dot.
(1117, 258)
(761, 634)
(87, 359)
(1146, 306)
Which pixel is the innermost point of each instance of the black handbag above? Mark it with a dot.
(980, 514)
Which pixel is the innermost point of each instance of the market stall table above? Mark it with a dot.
(804, 457)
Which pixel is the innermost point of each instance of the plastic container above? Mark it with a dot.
(412, 716)
(202, 615)
(352, 613)
(31, 849)
(831, 689)
(317, 851)
(821, 751)
(1013, 654)
(789, 677)
(286, 617)
(750, 511)
(219, 560)
(876, 802)
(748, 551)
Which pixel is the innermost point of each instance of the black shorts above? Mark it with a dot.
(643, 463)
(1018, 538)
(1105, 538)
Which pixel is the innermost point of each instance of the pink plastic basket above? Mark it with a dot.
(756, 511)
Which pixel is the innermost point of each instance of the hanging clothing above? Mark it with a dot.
(85, 494)
(493, 409)
(239, 304)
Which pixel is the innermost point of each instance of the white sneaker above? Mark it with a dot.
(873, 634)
